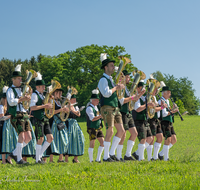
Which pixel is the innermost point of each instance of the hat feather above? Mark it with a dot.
(95, 91)
(103, 56)
(18, 68)
(39, 76)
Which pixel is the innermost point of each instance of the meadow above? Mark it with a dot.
(181, 172)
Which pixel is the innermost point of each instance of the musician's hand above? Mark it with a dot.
(65, 109)
(151, 104)
(48, 106)
(175, 106)
(52, 96)
(143, 91)
(120, 86)
(164, 105)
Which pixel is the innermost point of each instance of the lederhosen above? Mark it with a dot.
(19, 119)
(110, 108)
(155, 125)
(94, 127)
(127, 118)
(167, 124)
(42, 126)
(142, 125)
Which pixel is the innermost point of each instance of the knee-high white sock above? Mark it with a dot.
(90, 152)
(137, 152)
(156, 150)
(106, 149)
(146, 144)
(24, 144)
(166, 152)
(15, 151)
(149, 152)
(170, 145)
(38, 150)
(100, 150)
(161, 153)
(119, 151)
(141, 148)
(19, 151)
(115, 143)
(44, 147)
(130, 145)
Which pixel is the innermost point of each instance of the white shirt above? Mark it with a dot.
(12, 101)
(104, 88)
(34, 98)
(164, 111)
(137, 104)
(1, 109)
(90, 113)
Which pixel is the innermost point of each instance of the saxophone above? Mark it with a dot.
(120, 76)
(138, 75)
(48, 99)
(64, 116)
(152, 84)
(27, 90)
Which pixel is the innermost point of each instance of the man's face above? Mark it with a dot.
(127, 79)
(17, 81)
(167, 94)
(154, 92)
(110, 67)
(73, 100)
(139, 89)
(58, 94)
(95, 102)
(40, 88)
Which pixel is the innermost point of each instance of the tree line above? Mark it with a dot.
(81, 68)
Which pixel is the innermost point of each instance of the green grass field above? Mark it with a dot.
(181, 172)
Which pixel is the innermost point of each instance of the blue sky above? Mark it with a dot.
(159, 35)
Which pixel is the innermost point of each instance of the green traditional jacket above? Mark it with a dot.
(93, 124)
(39, 114)
(141, 115)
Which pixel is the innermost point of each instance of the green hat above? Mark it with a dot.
(39, 82)
(105, 62)
(140, 84)
(166, 88)
(16, 74)
(73, 96)
(125, 72)
(95, 94)
(60, 89)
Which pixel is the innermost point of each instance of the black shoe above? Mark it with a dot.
(13, 157)
(41, 162)
(113, 157)
(108, 160)
(98, 161)
(8, 161)
(60, 161)
(121, 160)
(135, 156)
(74, 161)
(22, 162)
(130, 158)
(160, 157)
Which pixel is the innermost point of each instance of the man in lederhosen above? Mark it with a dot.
(167, 124)
(110, 109)
(42, 126)
(19, 116)
(94, 126)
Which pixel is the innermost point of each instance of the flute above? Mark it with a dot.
(178, 110)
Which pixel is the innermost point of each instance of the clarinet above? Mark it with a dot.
(167, 108)
(178, 110)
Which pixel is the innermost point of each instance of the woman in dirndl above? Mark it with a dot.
(75, 134)
(59, 145)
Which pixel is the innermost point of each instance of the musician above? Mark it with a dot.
(19, 116)
(3, 124)
(75, 134)
(128, 122)
(42, 126)
(143, 129)
(167, 121)
(59, 145)
(110, 109)
(94, 126)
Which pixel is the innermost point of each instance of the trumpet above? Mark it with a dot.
(138, 75)
(120, 76)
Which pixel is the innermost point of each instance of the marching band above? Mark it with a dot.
(57, 132)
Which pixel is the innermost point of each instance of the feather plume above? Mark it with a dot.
(162, 84)
(103, 56)
(18, 68)
(151, 76)
(95, 91)
(116, 68)
(39, 76)
(142, 81)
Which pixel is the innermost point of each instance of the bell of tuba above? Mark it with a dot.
(49, 99)
(27, 90)
(66, 102)
(138, 75)
(152, 84)
(120, 76)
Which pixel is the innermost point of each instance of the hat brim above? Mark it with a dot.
(105, 62)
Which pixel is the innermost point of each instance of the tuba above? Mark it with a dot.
(27, 90)
(120, 76)
(138, 75)
(48, 99)
(66, 102)
(152, 84)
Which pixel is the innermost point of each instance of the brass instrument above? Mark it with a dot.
(66, 102)
(48, 99)
(120, 76)
(27, 90)
(152, 84)
(138, 75)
